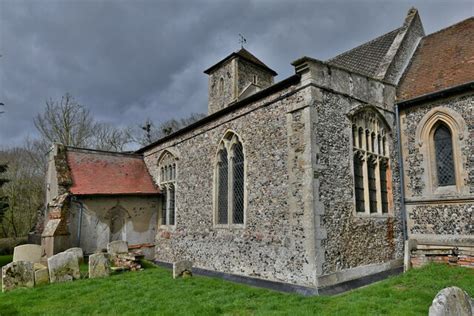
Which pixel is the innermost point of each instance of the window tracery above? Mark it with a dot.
(230, 181)
(371, 164)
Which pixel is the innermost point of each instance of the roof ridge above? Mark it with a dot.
(104, 152)
(364, 44)
(450, 26)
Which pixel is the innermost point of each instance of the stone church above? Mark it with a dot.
(331, 178)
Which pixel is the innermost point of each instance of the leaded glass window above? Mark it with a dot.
(230, 182)
(372, 186)
(164, 201)
(359, 183)
(371, 163)
(172, 197)
(238, 184)
(383, 186)
(444, 156)
(167, 165)
(223, 186)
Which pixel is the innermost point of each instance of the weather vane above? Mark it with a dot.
(242, 40)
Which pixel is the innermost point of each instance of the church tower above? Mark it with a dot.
(236, 77)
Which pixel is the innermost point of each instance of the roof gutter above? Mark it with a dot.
(438, 94)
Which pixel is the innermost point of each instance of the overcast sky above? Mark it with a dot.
(132, 60)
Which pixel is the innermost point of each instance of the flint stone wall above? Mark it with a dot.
(277, 240)
(450, 214)
(351, 239)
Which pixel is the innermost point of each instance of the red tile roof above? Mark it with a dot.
(95, 172)
(443, 60)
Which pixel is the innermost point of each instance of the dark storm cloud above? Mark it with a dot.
(130, 60)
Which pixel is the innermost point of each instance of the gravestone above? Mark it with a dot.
(78, 253)
(99, 266)
(180, 267)
(451, 301)
(63, 267)
(29, 252)
(17, 274)
(117, 247)
(41, 274)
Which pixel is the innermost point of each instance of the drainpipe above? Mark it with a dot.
(79, 225)
(402, 174)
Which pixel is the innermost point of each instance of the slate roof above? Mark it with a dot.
(104, 173)
(443, 59)
(244, 54)
(366, 58)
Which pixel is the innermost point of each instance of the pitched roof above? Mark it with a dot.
(246, 55)
(96, 172)
(366, 58)
(443, 60)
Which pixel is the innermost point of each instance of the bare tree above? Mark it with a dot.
(23, 193)
(108, 137)
(66, 122)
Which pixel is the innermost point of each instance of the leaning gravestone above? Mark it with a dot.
(78, 253)
(41, 274)
(63, 267)
(451, 301)
(99, 266)
(18, 274)
(180, 267)
(29, 252)
(117, 247)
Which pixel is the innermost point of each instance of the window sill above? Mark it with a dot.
(229, 226)
(373, 215)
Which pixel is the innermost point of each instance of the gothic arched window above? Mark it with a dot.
(167, 167)
(444, 156)
(230, 181)
(371, 164)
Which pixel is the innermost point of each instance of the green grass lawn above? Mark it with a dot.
(153, 291)
(5, 260)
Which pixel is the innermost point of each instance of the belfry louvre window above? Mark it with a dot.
(167, 167)
(444, 156)
(372, 191)
(230, 182)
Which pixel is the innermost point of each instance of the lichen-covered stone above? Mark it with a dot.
(17, 274)
(99, 266)
(63, 267)
(41, 275)
(117, 247)
(451, 301)
(179, 267)
(78, 253)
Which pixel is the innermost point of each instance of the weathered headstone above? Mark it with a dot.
(182, 266)
(18, 274)
(117, 247)
(99, 265)
(78, 253)
(41, 274)
(29, 252)
(451, 301)
(63, 267)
